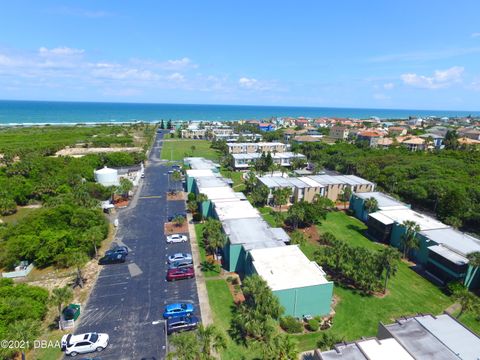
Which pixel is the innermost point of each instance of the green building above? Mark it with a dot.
(384, 202)
(300, 284)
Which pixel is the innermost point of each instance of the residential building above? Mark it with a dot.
(339, 132)
(302, 286)
(194, 133)
(307, 138)
(301, 122)
(369, 136)
(397, 131)
(305, 189)
(260, 147)
(385, 202)
(437, 140)
(413, 143)
(469, 133)
(266, 127)
(244, 161)
(335, 184)
(468, 141)
(421, 337)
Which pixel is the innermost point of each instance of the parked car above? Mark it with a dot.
(180, 273)
(71, 312)
(179, 257)
(182, 264)
(84, 343)
(112, 259)
(183, 323)
(117, 250)
(178, 309)
(171, 217)
(176, 238)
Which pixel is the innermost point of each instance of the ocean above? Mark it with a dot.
(50, 112)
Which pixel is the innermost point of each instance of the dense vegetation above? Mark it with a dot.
(19, 303)
(446, 183)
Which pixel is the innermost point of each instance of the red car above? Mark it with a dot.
(182, 273)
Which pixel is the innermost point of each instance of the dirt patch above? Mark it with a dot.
(235, 288)
(311, 233)
(77, 152)
(179, 195)
(172, 228)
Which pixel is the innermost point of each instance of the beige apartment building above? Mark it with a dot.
(339, 132)
(260, 147)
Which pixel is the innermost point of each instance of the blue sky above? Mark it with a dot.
(380, 54)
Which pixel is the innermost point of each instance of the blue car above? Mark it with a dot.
(178, 309)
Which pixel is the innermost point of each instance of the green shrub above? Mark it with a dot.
(291, 325)
(192, 197)
(313, 325)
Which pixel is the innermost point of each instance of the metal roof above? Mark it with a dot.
(454, 335)
(448, 254)
(455, 240)
(343, 352)
(418, 341)
(384, 201)
(250, 230)
(400, 215)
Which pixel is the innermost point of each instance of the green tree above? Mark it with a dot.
(345, 195)
(211, 339)
(281, 347)
(467, 300)
(451, 140)
(259, 195)
(24, 331)
(281, 196)
(389, 258)
(186, 346)
(179, 220)
(193, 148)
(250, 182)
(297, 237)
(162, 125)
(169, 124)
(296, 214)
(371, 205)
(60, 297)
(125, 186)
(328, 340)
(409, 238)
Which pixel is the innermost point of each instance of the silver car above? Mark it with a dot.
(179, 257)
(176, 238)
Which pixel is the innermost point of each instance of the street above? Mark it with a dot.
(128, 299)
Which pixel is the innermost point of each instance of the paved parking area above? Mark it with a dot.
(128, 299)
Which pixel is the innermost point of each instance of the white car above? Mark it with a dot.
(176, 238)
(179, 257)
(84, 343)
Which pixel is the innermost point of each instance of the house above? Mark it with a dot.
(339, 132)
(302, 287)
(469, 133)
(397, 131)
(437, 140)
(266, 127)
(260, 147)
(468, 141)
(306, 138)
(301, 189)
(385, 143)
(301, 122)
(369, 136)
(384, 202)
(413, 143)
(194, 133)
(335, 184)
(244, 161)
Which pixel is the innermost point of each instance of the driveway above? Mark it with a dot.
(128, 299)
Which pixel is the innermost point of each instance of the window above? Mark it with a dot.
(83, 343)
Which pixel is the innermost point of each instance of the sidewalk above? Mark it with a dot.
(206, 313)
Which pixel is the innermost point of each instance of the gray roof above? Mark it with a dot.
(210, 181)
(279, 181)
(454, 335)
(449, 254)
(418, 341)
(383, 200)
(251, 230)
(197, 163)
(453, 239)
(343, 352)
(351, 180)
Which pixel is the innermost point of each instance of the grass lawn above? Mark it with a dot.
(203, 255)
(20, 214)
(221, 302)
(176, 149)
(236, 176)
(358, 315)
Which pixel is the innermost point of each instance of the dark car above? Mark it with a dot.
(181, 264)
(112, 259)
(71, 312)
(117, 250)
(171, 217)
(182, 323)
(180, 274)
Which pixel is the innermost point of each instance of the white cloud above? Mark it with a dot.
(248, 83)
(380, 96)
(176, 77)
(476, 34)
(120, 72)
(172, 65)
(425, 55)
(60, 51)
(440, 78)
(388, 86)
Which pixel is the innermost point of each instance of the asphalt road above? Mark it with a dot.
(128, 298)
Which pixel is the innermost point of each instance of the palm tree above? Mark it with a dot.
(409, 238)
(59, 297)
(371, 205)
(389, 258)
(465, 298)
(281, 347)
(24, 331)
(186, 346)
(345, 195)
(210, 339)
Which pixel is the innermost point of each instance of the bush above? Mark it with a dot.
(313, 325)
(192, 197)
(197, 217)
(291, 325)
